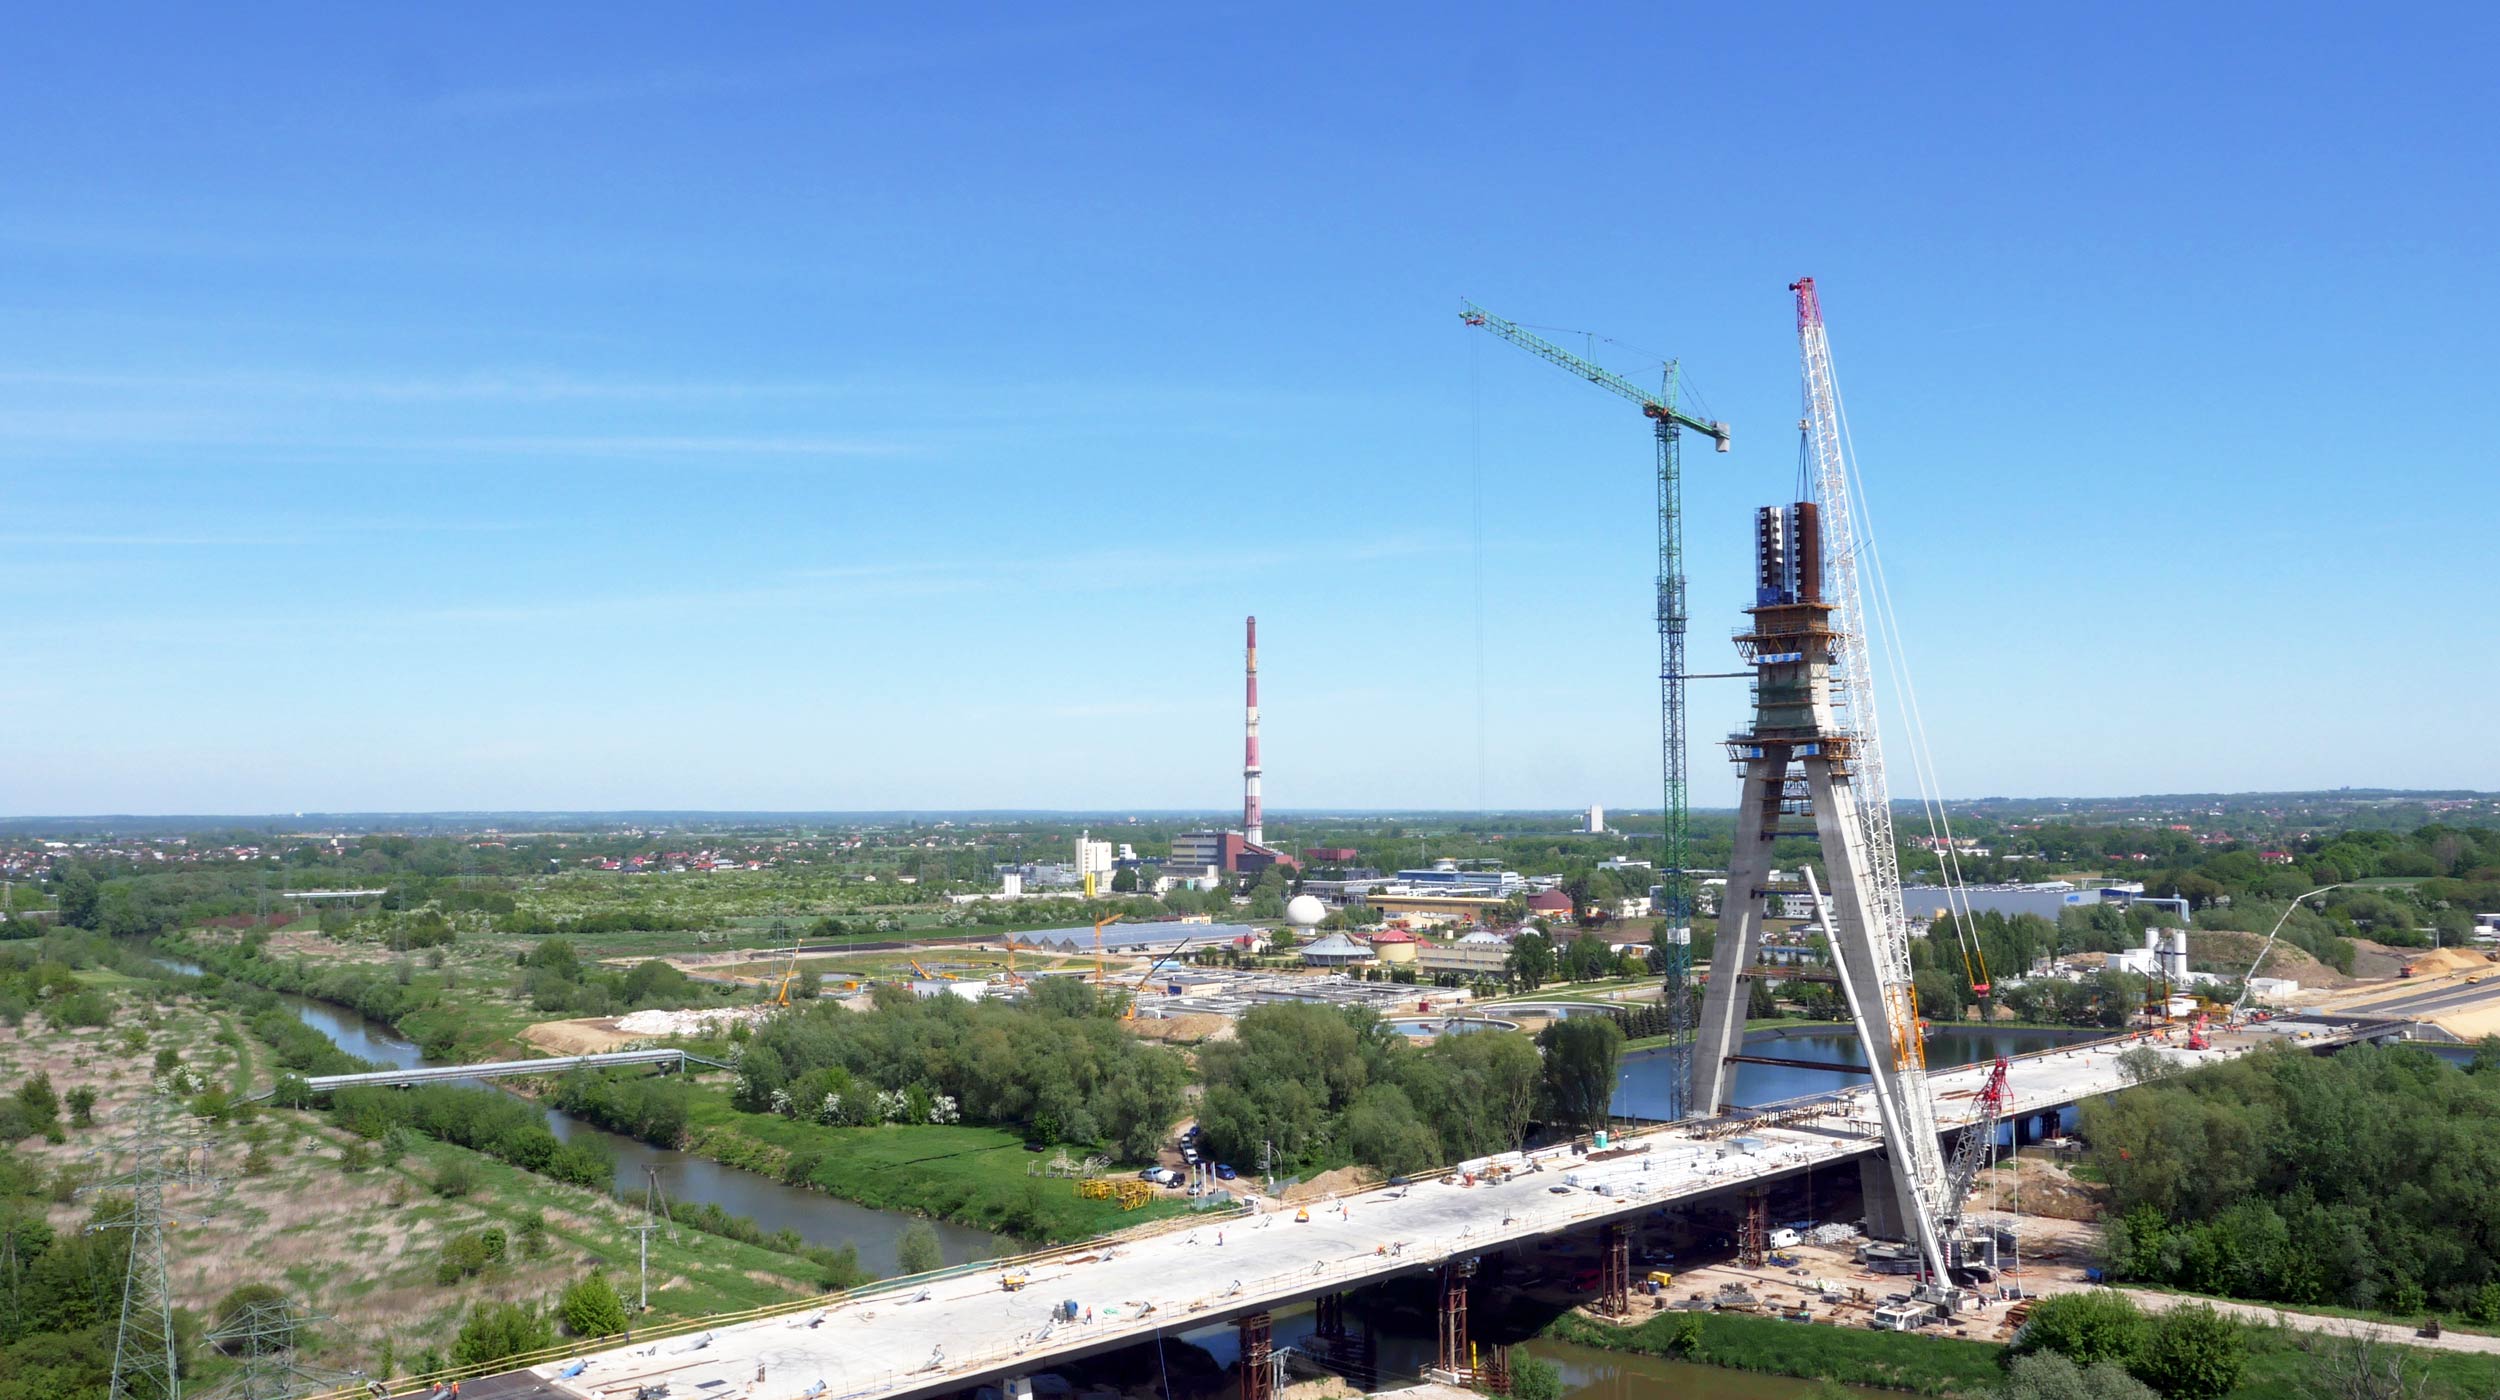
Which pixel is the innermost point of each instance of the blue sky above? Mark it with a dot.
(533, 406)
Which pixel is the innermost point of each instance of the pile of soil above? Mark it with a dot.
(2230, 953)
(2041, 1187)
(1343, 1181)
(1183, 1030)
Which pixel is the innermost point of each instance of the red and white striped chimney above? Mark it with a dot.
(1250, 824)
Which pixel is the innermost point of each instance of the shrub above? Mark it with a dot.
(464, 1256)
(2046, 1375)
(2192, 1353)
(2098, 1324)
(591, 1307)
(918, 1249)
(81, 1101)
(495, 1331)
(456, 1177)
(1534, 1379)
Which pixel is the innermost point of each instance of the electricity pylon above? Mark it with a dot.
(155, 1154)
(263, 1334)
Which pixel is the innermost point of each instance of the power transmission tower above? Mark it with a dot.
(155, 1153)
(264, 1336)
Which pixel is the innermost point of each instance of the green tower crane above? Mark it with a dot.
(1667, 423)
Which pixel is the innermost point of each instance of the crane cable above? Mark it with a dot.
(1881, 617)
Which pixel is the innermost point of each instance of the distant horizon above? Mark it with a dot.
(1121, 815)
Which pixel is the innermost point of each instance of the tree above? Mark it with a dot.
(1580, 1057)
(918, 1250)
(1759, 1005)
(2048, 1375)
(591, 1307)
(81, 1102)
(1124, 880)
(1381, 1128)
(1531, 960)
(2192, 1353)
(495, 1331)
(2097, 1324)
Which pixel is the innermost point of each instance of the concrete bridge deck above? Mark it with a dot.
(956, 1331)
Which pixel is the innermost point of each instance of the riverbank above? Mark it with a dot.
(983, 1177)
(978, 1178)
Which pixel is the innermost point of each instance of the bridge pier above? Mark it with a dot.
(1258, 1357)
(1328, 1315)
(1614, 1294)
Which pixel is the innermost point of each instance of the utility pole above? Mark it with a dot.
(651, 1194)
(157, 1155)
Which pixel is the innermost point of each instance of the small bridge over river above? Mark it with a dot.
(665, 1060)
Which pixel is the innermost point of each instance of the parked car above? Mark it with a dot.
(1223, 1172)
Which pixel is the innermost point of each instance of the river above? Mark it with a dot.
(815, 1216)
(1644, 1084)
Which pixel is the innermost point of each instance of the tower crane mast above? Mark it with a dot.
(1667, 425)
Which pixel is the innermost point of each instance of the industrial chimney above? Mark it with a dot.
(1250, 825)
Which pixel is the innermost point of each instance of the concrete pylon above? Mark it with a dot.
(1797, 760)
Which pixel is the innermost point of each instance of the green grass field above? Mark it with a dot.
(978, 1176)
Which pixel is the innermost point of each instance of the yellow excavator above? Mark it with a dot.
(927, 976)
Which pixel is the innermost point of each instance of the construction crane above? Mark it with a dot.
(1904, 1100)
(1667, 423)
(1099, 926)
(1139, 989)
(789, 975)
(1978, 1141)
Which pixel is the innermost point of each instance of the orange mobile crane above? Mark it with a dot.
(1099, 926)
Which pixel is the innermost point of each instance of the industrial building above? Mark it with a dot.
(1338, 950)
(2046, 898)
(1143, 940)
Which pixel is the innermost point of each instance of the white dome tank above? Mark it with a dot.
(1305, 911)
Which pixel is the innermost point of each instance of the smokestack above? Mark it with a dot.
(1250, 824)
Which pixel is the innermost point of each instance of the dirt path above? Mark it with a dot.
(2261, 1313)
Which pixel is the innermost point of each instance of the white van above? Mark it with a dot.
(1786, 1239)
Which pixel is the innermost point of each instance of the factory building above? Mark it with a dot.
(1337, 950)
(1227, 851)
(1093, 860)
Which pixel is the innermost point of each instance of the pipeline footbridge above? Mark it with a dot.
(664, 1060)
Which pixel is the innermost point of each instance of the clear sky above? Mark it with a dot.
(901, 406)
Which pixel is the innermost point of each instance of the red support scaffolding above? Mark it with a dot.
(1258, 1366)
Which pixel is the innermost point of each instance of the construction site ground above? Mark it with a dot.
(2055, 1255)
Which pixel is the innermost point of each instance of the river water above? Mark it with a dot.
(1644, 1084)
(815, 1216)
(1591, 1374)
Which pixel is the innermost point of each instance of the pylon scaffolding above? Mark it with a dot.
(155, 1154)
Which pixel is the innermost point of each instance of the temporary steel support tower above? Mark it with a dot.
(1667, 424)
